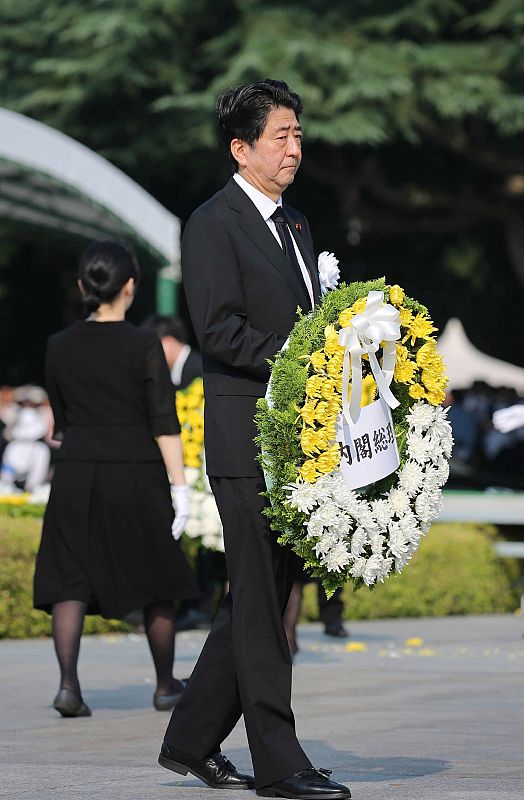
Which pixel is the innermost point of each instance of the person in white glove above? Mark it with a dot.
(180, 500)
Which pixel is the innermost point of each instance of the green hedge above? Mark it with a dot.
(454, 571)
(19, 539)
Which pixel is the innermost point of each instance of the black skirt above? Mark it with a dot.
(107, 539)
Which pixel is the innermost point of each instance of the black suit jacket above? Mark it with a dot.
(242, 294)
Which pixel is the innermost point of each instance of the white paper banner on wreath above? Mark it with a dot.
(368, 449)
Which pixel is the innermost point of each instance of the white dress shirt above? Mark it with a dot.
(178, 366)
(266, 206)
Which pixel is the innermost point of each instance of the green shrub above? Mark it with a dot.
(454, 571)
(19, 540)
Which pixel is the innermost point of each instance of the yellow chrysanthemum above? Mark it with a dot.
(307, 412)
(369, 389)
(427, 355)
(345, 317)
(416, 391)
(433, 382)
(308, 441)
(334, 365)
(436, 398)
(405, 371)
(317, 360)
(406, 317)
(313, 385)
(396, 295)
(402, 353)
(329, 460)
(331, 346)
(327, 389)
(324, 436)
(420, 327)
(308, 471)
(359, 305)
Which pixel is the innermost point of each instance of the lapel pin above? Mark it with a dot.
(298, 226)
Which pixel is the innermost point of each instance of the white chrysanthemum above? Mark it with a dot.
(376, 541)
(382, 512)
(441, 426)
(376, 569)
(192, 474)
(410, 530)
(418, 447)
(424, 527)
(365, 517)
(327, 541)
(399, 501)
(328, 271)
(442, 467)
(328, 512)
(343, 526)
(359, 539)
(421, 415)
(397, 543)
(402, 560)
(358, 567)
(345, 498)
(303, 496)
(427, 505)
(410, 477)
(446, 443)
(315, 526)
(337, 558)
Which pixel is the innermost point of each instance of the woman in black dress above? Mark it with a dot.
(109, 543)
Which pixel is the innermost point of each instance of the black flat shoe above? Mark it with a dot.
(68, 704)
(217, 771)
(166, 702)
(336, 629)
(310, 784)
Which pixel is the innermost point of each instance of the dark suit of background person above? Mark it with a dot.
(242, 294)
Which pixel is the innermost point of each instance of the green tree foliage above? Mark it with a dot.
(414, 116)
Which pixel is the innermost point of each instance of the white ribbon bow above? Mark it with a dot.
(378, 323)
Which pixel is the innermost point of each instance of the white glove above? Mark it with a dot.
(509, 419)
(180, 500)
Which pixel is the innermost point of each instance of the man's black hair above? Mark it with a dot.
(242, 112)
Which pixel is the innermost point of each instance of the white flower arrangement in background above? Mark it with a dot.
(204, 523)
(380, 536)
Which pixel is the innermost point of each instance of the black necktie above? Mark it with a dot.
(286, 241)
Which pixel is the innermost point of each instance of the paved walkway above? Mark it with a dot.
(440, 717)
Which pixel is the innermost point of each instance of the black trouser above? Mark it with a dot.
(245, 665)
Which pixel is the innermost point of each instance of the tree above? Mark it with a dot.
(414, 119)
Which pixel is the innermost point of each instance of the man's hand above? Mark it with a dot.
(180, 500)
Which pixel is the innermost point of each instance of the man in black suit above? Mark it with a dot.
(184, 363)
(247, 263)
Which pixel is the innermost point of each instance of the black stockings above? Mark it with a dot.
(159, 621)
(68, 621)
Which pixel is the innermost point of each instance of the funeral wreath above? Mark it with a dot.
(354, 442)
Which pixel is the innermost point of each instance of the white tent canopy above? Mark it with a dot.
(47, 178)
(465, 364)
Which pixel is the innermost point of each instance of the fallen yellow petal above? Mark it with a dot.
(415, 641)
(356, 647)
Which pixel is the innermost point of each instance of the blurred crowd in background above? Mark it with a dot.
(483, 457)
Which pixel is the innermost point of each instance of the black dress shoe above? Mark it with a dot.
(310, 784)
(68, 704)
(336, 629)
(217, 771)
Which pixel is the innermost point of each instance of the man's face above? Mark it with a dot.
(270, 164)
